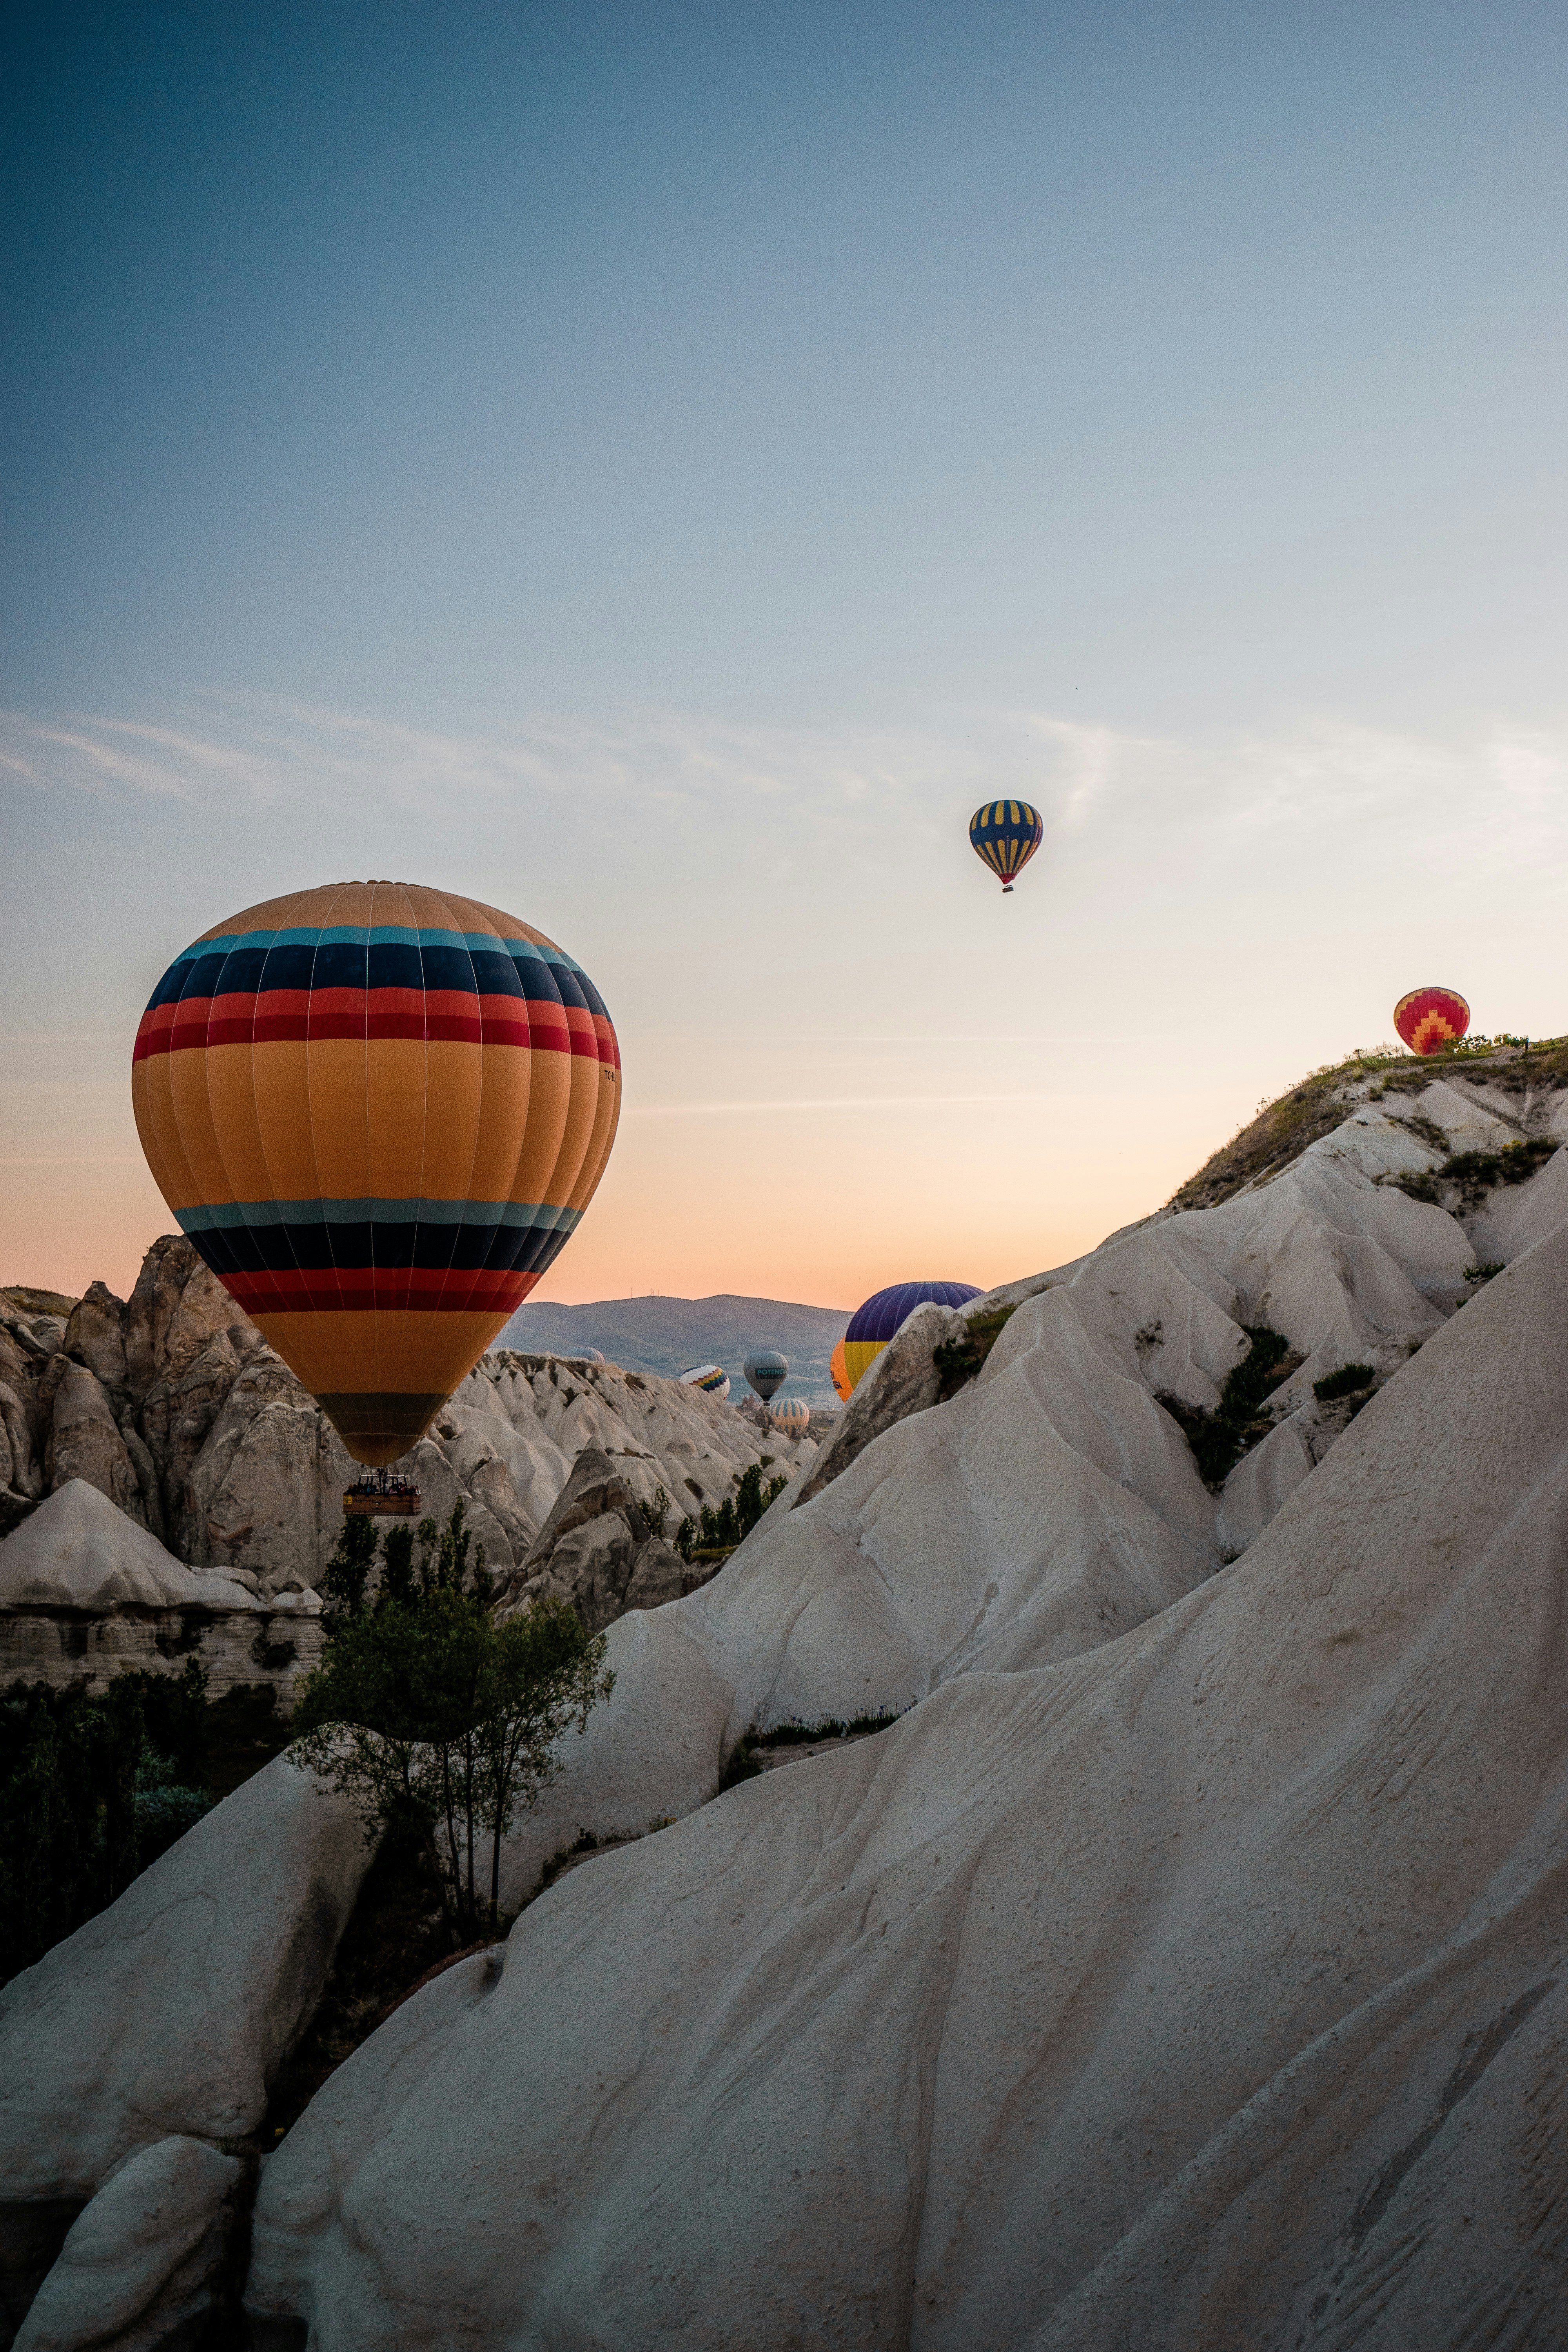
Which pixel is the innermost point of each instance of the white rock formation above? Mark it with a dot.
(1052, 1504)
(171, 1405)
(168, 2015)
(597, 1551)
(138, 2269)
(1182, 1971)
(85, 1592)
(1199, 1987)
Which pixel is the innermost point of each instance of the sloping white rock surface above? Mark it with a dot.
(170, 2012)
(1052, 1504)
(1201, 1989)
(138, 2269)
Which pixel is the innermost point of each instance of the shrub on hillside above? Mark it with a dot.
(1241, 1420)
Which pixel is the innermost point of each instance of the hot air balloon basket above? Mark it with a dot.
(382, 1498)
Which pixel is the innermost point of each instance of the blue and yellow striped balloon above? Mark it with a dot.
(1006, 834)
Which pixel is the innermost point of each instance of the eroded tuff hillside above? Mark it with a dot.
(1189, 1981)
(1521, 1084)
(1202, 1990)
(1182, 1970)
(1055, 1502)
(172, 1404)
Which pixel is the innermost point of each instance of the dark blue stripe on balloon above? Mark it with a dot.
(279, 1248)
(883, 1314)
(385, 961)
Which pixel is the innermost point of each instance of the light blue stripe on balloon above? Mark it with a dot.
(236, 1216)
(379, 935)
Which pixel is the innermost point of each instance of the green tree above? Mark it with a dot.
(423, 1710)
(397, 1564)
(753, 1499)
(347, 1572)
(91, 1790)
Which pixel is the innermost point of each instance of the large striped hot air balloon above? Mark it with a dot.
(872, 1325)
(1006, 834)
(1430, 1018)
(790, 1417)
(838, 1373)
(378, 1112)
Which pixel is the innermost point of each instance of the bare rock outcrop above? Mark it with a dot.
(1198, 1988)
(142, 2266)
(1054, 1503)
(165, 2019)
(86, 1591)
(84, 1441)
(902, 1379)
(597, 1551)
(173, 1406)
(94, 1335)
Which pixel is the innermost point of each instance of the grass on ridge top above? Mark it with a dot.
(1283, 1129)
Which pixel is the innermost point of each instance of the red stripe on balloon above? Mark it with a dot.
(362, 1290)
(281, 1015)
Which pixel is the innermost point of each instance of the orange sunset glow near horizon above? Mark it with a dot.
(957, 1087)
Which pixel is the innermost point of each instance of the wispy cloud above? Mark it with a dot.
(856, 790)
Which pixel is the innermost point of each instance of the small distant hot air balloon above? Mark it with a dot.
(790, 1417)
(1006, 834)
(1430, 1018)
(378, 1113)
(872, 1325)
(588, 1356)
(838, 1374)
(711, 1378)
(767, 1372)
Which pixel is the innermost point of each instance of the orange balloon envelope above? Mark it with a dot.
(1430, 1018)
(378, 1113)
(838, 1372)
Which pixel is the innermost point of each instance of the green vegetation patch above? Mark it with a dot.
(425, 1710)
(714, 1535)
(1280, 1133)
(94, 1789)
(1241, 1420)
(958, 1361)
(1349, 1381)
(1475, 1173)
(742, 1764)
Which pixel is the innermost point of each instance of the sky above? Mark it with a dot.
(658, 467)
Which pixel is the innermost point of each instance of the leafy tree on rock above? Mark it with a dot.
(424, 1709)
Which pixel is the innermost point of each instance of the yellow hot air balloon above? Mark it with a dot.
(378, 1112)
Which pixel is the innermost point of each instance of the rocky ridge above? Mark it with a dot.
(172, 1405)
(1180, 1969)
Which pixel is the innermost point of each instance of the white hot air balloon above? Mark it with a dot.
(711, 1378)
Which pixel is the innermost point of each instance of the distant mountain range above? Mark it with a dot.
(668, 1335)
